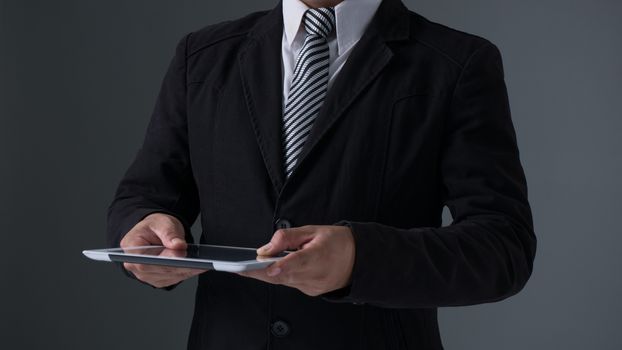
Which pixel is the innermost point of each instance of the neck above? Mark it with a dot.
(321, 3)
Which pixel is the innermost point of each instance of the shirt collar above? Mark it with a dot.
(351, 16)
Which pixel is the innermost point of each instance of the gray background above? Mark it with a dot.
(78, 80)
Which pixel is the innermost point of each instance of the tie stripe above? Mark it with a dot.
(320, 21)
(292, 109)
(309, 83)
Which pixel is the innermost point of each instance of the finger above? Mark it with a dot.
(263, 276)
(159, 281)
(163, 283)
(292, 270)
(172, 236)
(307, 288)
(160, 270)
(288, 238)
(294, 266)
(178, 276)
(257, 274)
(148, 269)
(135, 240)
(174, 253)
(132, 243)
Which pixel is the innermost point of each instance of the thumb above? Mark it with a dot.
(172, 237)
(289, 238)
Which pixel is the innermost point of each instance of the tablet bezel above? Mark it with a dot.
(118, 255)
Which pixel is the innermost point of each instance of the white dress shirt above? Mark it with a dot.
(351, 19)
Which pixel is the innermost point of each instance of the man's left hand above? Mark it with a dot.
(322, 262)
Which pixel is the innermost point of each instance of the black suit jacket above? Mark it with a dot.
(418, 118)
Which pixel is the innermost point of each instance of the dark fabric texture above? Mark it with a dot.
(417, 119)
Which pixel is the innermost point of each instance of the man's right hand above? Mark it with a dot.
(158, 229)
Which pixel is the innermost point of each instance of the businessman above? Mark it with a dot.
(339, 130)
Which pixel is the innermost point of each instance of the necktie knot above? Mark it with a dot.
(319, 21)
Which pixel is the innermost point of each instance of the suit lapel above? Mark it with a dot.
(364, 64)
(260, 69)
(262, 80)
(367, 59)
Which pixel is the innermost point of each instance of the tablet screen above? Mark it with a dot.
(197, 251)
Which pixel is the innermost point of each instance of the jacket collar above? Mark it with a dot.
(391, 21)
(351, 16)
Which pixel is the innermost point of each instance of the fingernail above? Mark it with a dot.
(274, 271)
(177, 241)
(265, 248)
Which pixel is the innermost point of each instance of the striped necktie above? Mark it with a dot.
(309, 83)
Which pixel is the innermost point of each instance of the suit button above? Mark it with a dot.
(279, 329)
(282, 223)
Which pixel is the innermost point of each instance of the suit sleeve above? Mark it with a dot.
(160, 177)
(487, 253)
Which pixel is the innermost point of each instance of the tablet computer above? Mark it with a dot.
(198, 256)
